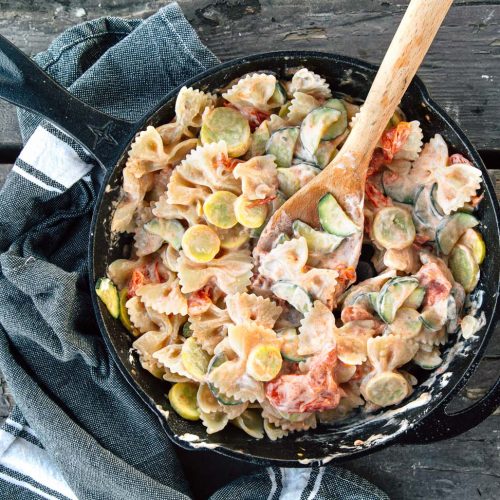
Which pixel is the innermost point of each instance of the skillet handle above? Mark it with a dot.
(24, 84)
(439, 424)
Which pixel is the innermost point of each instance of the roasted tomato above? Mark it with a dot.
(225, 162)
(394, 139)
(199, 301)
(315, 390)
(139, 278)
(376, 197)
(437, 285)
(376, 162)
(355, 313)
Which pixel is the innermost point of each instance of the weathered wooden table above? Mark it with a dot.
(462, 72)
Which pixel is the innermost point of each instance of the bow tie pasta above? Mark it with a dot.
(282, 341)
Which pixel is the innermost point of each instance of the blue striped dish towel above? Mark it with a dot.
(89, 434)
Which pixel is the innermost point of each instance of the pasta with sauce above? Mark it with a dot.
(263, 341)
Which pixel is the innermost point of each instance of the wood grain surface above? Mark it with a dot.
(461, 71)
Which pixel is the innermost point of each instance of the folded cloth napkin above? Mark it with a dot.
(89, 435)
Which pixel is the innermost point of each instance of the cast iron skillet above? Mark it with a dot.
(422, 418)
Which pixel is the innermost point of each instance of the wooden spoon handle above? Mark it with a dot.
(404, 56)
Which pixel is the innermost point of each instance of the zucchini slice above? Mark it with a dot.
(186, 331)
(393, 228)
(317, 126)
(290, 345)
(182, 397)
(171, 231)
(264, 362)
(249, 215)
(406, 323)
(216, 361)
(415, 299)
(295, 295)
(464, 267)
(428, 360)
(326, 152)
(200, 243)
(436, 209)
(473, 240)
(393, 295)
(250, 421)
(452, 228)
(317, 241)
(228, 125)
(219, 209)
(386, 389)
(333, 218)
(398, 187)
(281, 145)
(434, 317)
(108, 293)
(425, 216)
(231, 239)
(124, 317)
(293, 178)
(279, 96)
(194, 359)
(259, 139)
(339, 127)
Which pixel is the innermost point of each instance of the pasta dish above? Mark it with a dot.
(285, 340)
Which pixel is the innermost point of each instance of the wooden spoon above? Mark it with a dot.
(345, 176)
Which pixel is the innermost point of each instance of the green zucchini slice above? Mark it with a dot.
(108, 293)
(317, 241)
(393, 295)
(186, 331)
(295, 295)
(250, 421)
(281, 145)
(406, 323)
(424, 216)
(398, 187)
(428, 360)
(452, 228)
(279, 96)
(333, 218)
(171, 231)
(228, 125)
(393, 228)
(290, 345)
(340, 126)
(415, 299)
(317, 126)
(464, 267)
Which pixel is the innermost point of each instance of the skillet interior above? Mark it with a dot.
(325, 443)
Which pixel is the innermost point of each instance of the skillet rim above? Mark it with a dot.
(416, 86)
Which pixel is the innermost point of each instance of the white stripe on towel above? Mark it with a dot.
(54, 158)
(28, 486)
(30, 460)
(317, 484)
(274, 484)
(293, 483)
(34, 180)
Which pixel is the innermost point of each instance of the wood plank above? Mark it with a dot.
(461, 71)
